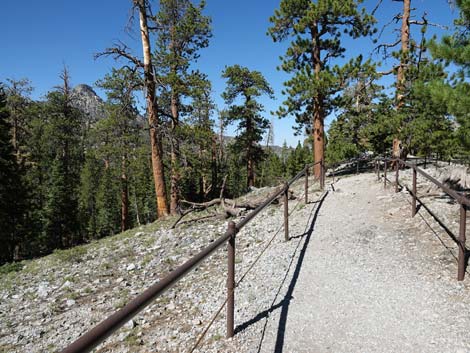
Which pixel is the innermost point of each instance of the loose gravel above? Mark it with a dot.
(358, 275)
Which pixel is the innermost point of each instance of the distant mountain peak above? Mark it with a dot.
(84, 89)
(86, 99)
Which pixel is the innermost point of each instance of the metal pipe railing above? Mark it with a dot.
(462, 200)
(103, 330)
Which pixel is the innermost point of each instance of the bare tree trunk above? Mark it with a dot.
(214, 175)
(401, 74)
(124, 196)
(150, 96)
(137, 214)
(405, 47)
(318, 113)
(250, 168)
(318, 136)
(174, 179)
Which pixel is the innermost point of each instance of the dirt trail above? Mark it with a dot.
(365, 280)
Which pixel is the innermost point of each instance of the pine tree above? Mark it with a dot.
(316, 29)
(18, 101)
(121, 130)
(248, 86)
(12, 192)
(409, 55)
(199, 146)
(63, 161)
(357, 110)
(107, 203)
(182, 30)
(90, 175)
(455, 95)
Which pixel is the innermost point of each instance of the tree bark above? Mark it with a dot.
(405, 47)
(401, 73)
(214, 175)
(318, 112)
(249, 154)
(124, 196)
(150, 97)
(174, 179)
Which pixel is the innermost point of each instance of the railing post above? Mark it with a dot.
(397, 165)
(463, 225)
(306, 184)
(385, 173)
(231, 280)
(377, 163)
(357, 166)
(413, 203)
(286, 213)
(322, 175)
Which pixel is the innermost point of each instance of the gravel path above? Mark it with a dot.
(366, 281)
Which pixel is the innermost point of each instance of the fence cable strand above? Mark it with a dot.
(217, 313)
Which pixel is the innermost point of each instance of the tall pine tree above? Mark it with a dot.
(248, 86)
(316, 30)
(12, 190)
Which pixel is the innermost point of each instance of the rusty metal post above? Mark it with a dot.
(397, 168)
(306, 185)
(377, 164)
(322, 175)
(463, 226)
(413, 203)
(385, 173)
(286, 213)
(231, 280)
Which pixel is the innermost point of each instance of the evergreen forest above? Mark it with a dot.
(69, 175)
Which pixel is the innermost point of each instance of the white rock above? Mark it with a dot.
(70, 302)
(130, 324)
(67, 284)
(43, 290)
(130, 267)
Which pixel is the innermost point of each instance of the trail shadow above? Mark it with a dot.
(279, 346)
(284, 302)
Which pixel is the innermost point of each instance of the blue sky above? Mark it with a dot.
(39, 37)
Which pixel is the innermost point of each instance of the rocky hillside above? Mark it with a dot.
(50, 301)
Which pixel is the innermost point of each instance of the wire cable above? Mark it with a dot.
(252, 265)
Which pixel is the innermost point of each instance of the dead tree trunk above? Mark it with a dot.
(153, 119)
(174, 179)
(124, 196)
(250, 168)
(401, 72)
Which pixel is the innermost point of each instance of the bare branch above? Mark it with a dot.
(376, 7)
(385, 46)
(120, 50)
(384, 73)
(395, 19)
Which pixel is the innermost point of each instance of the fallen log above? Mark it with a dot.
(231, 208)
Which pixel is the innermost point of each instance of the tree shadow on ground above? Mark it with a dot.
(285, 302)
